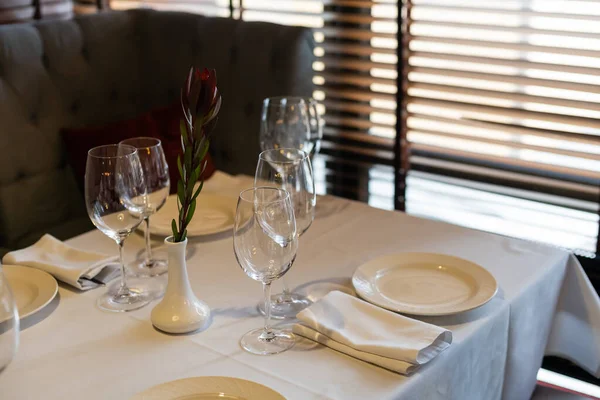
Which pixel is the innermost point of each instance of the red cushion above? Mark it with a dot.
(161, 123)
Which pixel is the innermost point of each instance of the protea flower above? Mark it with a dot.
(200, 101)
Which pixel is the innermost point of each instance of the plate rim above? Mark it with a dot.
(48, 277)
(378, 300)
(142, 227)
(148, 392)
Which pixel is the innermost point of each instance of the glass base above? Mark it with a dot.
(260, 342)
(131, 298)
(285, 305)
(143, 269)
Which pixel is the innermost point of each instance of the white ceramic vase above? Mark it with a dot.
(179, 311)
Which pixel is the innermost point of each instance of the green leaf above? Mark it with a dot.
(174, 228)
(192, 182)
(183, 236)
(181, 211)
(187, 159)
(180, 192)
(202, 148)
(191, 211)
(183, 131)
(180, 168)
(198, 191)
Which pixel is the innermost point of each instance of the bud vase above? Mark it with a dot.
(179, 311)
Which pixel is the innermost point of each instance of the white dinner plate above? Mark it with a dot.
(214, 214)
(32, 288)
(424, 283)
(209, 388)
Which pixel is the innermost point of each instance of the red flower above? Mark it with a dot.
(200, 98)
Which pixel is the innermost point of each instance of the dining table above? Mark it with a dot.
(545, 305)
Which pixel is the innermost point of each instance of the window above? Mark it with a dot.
(499, 117)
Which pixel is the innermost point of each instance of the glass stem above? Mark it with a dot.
(286, 288)
(148, 246)
(123, 289)
(267, 334)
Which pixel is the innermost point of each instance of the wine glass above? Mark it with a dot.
(115, 198)
(265, 242)
(291, 122)
(9, 324)
(285, 123)
(291, 170)
(156, 177)
(316, 126)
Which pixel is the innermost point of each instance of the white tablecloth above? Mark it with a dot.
(73, 350)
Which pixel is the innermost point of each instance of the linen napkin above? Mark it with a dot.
(81, 269)
(372, 334)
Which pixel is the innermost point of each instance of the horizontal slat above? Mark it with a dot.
(352, 49)
(362, 95)
(512, 144)
(522, 12)
(357, 65)
(353, 33)
(508, 161)
(519, 101)
(490, 27)
(473, 44)
(517, 80)
(327, 16)
(517, 132)
(375, 155)
(360, 137)
(474, 111)
(522, 63)
(355, 107)
(360, 123)
(570, 192)
(354, 79)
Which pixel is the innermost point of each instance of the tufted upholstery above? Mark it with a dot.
(105, 67)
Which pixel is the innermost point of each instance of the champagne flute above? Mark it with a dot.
(115, 197)
(156, 177)
(265, 242)
(291, 170)
(9, 324)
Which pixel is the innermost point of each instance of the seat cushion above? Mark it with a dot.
(161, 123)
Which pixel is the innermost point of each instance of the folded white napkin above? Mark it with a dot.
(81, 269)
(372, 334)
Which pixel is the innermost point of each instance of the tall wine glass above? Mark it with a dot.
(265, 242)
(316, 126)
(9, 324)
(291, 170)
(285, 123)
(115, 197)
(156, 177)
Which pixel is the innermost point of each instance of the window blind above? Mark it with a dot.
(499, 104)
(502, 116)
(355, 77)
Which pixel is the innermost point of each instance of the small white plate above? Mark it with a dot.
(33, 288)
(214, 214)
(209, 388)
(424, 284)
